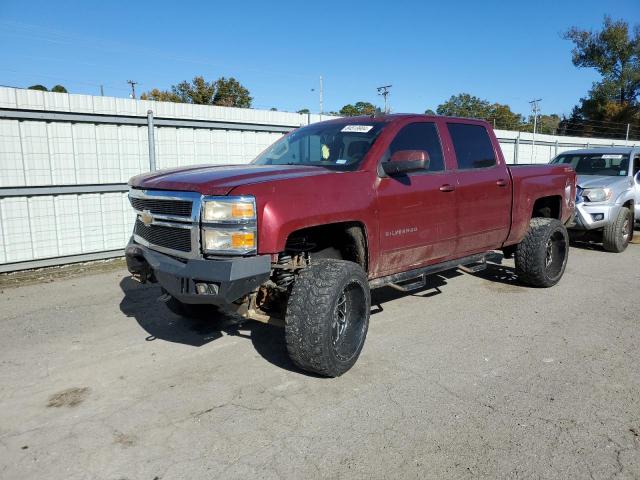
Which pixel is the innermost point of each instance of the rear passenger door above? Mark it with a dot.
(416, 210)
(483, 189)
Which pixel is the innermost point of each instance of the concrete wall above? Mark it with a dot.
(65, 160)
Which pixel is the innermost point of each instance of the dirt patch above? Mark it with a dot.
(125, 440)
(50, 274)
(71, 397)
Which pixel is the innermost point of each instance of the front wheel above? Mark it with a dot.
(328, 317)
(541, 256)
(617, 235)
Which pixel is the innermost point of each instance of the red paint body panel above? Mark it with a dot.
(419, 219)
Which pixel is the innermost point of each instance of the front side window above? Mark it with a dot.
(472, 145)
(340, 146)
(607, 164)
(417, 140)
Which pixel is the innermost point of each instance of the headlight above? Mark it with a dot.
(223, 240)
(597, 194)
(229, 225)
(229, 210)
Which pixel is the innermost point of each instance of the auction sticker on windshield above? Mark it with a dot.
(357, 128)
(611, 156)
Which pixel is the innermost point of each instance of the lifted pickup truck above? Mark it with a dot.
(334, 209)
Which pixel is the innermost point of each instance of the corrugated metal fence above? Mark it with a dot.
(65, 160)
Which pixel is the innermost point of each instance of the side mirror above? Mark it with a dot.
(404, 161)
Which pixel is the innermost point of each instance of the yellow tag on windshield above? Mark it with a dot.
(325, 152)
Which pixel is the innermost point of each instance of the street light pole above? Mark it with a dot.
(321, 96)
(384, 91)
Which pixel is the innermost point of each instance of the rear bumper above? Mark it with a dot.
(592, 216)
(232, 277)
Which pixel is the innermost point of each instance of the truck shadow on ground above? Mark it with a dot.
(140, 302)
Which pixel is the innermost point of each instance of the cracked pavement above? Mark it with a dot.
(474, 376)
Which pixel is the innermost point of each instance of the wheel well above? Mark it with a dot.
(345, 240)
(630, 205)
(547, 207)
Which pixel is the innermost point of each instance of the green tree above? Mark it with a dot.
(464, 105)
(548, 124)
(360, 108)
(230, 93)
(39, 87)
(161, 96)
(469, 106)
(612, 102)
(224, 92)
(428, 111)
(304, 111)
(59, 89)
(614, 52)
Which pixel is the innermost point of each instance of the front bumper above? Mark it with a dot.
(590, 216)
(234, 277)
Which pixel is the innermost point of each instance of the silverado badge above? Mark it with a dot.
(146, 218)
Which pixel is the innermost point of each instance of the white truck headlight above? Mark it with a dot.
(597, 194)
(229, 210)
(229, 225)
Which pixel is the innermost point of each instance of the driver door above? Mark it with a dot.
(417, 209)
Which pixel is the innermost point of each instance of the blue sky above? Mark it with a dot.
(509, 52)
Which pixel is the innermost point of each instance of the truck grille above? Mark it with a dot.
(174, 238)
(179, 208)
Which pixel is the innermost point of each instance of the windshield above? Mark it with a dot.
(333, 145)
(607, 164)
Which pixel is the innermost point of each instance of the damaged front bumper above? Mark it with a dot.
(217, 281)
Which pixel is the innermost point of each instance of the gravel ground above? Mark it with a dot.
(473, 377)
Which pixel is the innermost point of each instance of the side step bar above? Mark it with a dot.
(419, 275)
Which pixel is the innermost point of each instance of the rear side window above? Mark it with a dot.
(472, 145)
(415, 138)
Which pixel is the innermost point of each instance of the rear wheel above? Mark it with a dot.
(541, 257)
(618, 233)
(328, 317)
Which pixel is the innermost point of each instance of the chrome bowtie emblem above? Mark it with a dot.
(146, 218)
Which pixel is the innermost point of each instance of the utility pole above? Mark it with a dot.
(384, 91)
(133, 88)
(626, 139)
(535, 108)
(102, 90)
(321, 95)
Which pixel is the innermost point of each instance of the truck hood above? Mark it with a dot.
(221, 179)
(595, 181)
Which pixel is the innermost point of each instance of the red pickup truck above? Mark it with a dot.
(302, 234)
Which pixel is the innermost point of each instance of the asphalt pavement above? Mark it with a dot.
(474, 376)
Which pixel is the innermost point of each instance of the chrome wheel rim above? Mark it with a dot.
(555, 254)
(626, 231)
(349, 321)
(548, 253)
(340, 319)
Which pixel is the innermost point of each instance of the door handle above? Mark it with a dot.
(501, 183)
(447, 188)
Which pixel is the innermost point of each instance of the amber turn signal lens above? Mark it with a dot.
(242, 240)
(242, 210)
